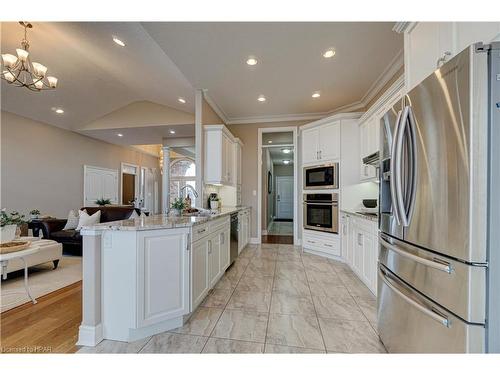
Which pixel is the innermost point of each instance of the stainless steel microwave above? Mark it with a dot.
(321, 177)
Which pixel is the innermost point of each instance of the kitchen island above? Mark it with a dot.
(147, 275)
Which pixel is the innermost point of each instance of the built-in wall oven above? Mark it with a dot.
(321, 212)
(321, 177)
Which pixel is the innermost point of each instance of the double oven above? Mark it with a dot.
(321, 203)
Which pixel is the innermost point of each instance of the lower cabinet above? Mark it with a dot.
(320, 242)
(243, 229)
(163, 276)
(360, 248)
(209, 259)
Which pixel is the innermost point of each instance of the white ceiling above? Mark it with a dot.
(291, 66)
(96, 76)
(277, 155)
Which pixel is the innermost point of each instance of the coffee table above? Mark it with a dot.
(4, 260)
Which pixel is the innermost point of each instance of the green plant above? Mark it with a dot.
(103, 201)
(36, 211)
(14, 218)
(214, 199)
(178, 204)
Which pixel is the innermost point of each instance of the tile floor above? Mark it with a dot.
(281, 227)
(274, 299)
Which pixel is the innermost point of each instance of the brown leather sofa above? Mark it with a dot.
(70, 238)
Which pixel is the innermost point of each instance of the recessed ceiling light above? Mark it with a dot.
(316, 94)
(118, 41)
(59, 111)
(286, 150)
(261, 98)
(286, 161)
(252, 61)
(172, 131)
(329, 53)
(182, 100)
(269, 141)
(120, 135)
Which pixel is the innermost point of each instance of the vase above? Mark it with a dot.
(8, 233)
(175, 212)
(214, 205)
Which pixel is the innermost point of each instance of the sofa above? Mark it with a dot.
(70, 238)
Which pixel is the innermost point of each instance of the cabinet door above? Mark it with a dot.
(310, 146)
(214, 268)
(329, 141)
(237, 166)
(163, 281)
(370, 260)
(473, 32)
(358, 251)
(224, 248)
(199, 272)
(345, 237)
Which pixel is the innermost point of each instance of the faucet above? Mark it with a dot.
(195, 193)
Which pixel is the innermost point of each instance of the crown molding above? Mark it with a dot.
(404, 27)
(335, 117)
(396, 63)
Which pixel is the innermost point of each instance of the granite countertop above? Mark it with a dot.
(360, 214)
(161, 221)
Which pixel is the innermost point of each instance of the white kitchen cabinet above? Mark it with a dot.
(163, 276)
(214, 255)
(321, 143)
(219, 156)
(346, 248)
(368, 132)
(225, 241)
(321, 243)
(199, 272)
(429, 43)
(237, 161)
(243, 229)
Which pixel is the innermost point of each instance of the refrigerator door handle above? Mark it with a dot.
(393, 175)
(398, 167)
(412, 134)
(439, 265)
(433, 314)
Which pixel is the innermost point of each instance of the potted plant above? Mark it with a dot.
(34, 214)
(214, 203)
(9, 225)
(103, 201)
(177, 206)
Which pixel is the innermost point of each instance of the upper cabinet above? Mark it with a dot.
(429, 44)
(321, 143)
(222, 156)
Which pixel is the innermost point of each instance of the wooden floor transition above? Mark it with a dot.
(279, 239)
(50, 326)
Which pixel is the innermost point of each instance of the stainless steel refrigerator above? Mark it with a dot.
(439, 274)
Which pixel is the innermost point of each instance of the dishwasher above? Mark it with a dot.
(233, 252)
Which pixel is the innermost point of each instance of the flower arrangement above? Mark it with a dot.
(14, 218)
(178, 204)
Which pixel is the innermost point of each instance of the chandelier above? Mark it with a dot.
(21, 72)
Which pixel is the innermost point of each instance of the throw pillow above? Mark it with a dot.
(86, 219)
(133, 215)
(73, 219)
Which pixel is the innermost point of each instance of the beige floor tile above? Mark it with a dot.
(358, 289)
(201, 323)
(242, 262)
(368, 306)
(242, 325)
(281, 349)
(226, 282)
(235, 272)
(250, 301)
(290, 264)
(319, 267)
(217, 298)
(350, 336)
(114, 347)
(325, 277)
(328, 288)
(215, 345)
(339, 307)
(311, 258)
(255, 284)
(284, 303)
(174, 343)
(292, 286)
(294, 330)
(259, 271)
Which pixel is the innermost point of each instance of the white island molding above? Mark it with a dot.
(147, 275)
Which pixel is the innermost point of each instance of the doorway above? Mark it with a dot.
(277, 186)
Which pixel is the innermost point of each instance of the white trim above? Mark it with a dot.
(261, 131)
(264, 231)
(90, 335)
(276, 118)
(404, 27)
(199, 146)
(218, 110)
(136, 180)
(254, 241)
(329, 119)
(398, 85)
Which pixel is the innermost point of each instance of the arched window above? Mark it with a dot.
(182, 172)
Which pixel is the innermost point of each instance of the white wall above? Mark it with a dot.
(42, 165)
(353, 195)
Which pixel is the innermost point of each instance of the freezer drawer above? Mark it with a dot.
(457, 286)
(408, 322)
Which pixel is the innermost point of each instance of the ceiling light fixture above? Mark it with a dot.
(261, 98)
(286, 150)
(316, 94)
(252, 61)
(329, 53)
(118, 41)
(269, 141)
(21, 72)
(182, 100)
(120, 135)
(172, 131)
(286, 162)
(60, 111)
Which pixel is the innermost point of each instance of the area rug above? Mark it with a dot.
(42, 280)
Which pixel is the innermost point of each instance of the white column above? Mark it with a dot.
(90, 332)
(199, 146)
(165, 184)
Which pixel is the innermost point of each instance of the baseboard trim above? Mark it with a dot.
(90, 335)
(255, 240)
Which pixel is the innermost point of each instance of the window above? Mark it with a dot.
(182, 172)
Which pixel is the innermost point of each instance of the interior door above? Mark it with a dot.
(100, 183)
(284, 197)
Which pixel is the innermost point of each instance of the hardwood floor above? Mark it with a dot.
(50, 326)
(278, 239)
